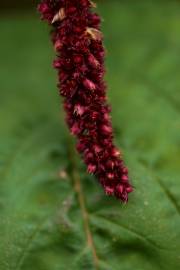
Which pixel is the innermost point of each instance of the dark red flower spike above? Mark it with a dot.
(78, 43)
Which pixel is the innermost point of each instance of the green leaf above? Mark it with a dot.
(53, 216)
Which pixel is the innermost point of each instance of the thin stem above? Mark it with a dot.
(81, 199)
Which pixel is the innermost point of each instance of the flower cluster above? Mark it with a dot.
(77, 40)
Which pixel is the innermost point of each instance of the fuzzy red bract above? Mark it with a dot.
(80, 63)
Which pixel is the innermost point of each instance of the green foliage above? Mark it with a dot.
(48, 204)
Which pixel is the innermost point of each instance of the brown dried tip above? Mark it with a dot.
(59, 16)
(93, 5)
(94, 33)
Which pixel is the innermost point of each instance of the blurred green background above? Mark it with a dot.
(41, 221)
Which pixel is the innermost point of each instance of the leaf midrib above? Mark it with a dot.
(76, 181)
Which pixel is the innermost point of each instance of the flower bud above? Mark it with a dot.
(120, 189)
(124, 178)
(79, 110)
(92, 61)
(80, 147)
(110, 164)
(78, 59)
(94, 115)
(78, 30)
(115, 152)
(43, 8)
(110, 176)
(109, 191)
(129, 189)
(63, 76)
(97, 148)
(71, 10)
(75, 129)
(58, 45)
(56, 64)
(125, 170)
(106, 129)
(95, 19)
(89, 85)
(89, 157)
(91, 168)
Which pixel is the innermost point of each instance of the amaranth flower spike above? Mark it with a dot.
(77, 40)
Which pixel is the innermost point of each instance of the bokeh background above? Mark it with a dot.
(41, 217)
(19, 5)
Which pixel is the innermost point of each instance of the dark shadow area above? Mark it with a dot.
(11, 6)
